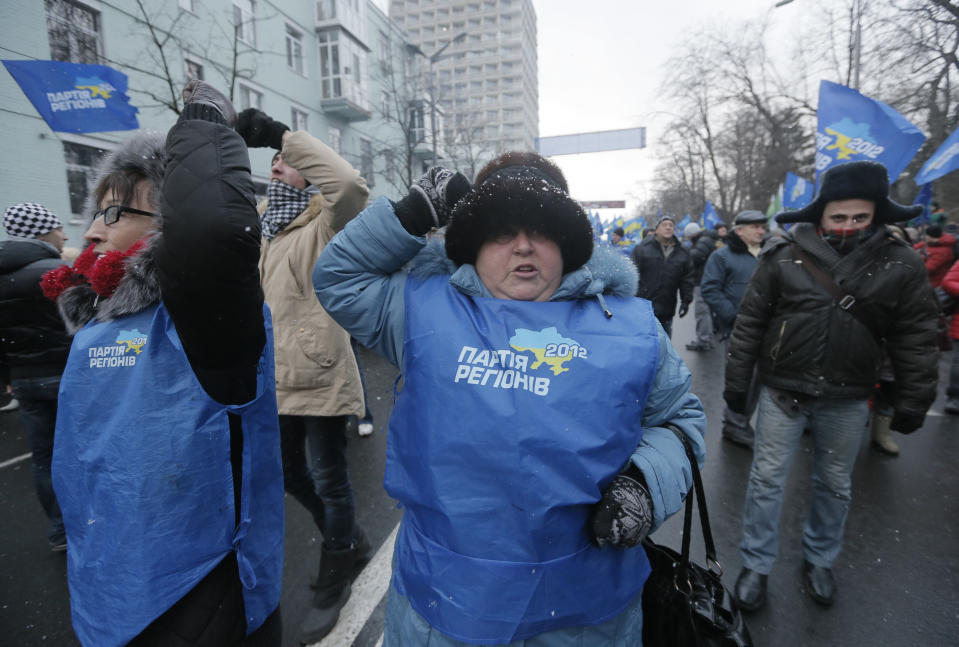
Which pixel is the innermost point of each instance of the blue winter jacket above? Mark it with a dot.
(725, 279)
(360, 280)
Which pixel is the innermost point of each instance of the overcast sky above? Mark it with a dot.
(600, 66)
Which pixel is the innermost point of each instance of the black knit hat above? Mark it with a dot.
(519, 190)
(854, 181)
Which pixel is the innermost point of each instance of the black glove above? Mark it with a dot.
(259, 130)
(736, 401)
(906, 423)
(431, 200)
(683, 309)
(197, 91)
(624, 516)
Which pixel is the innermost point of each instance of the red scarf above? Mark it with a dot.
(102, 274)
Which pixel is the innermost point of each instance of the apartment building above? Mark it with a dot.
(486, 77)
(337, 68)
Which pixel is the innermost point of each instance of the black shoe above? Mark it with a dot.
(822, 586)
(698, 345)
(332, 592)
(750, 590)
(361, 553)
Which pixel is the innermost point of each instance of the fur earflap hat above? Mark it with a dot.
(519, 190)
(142, 155)
(854, 181)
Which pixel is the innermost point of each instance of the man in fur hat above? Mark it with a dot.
(534, 442)
(825, 299)
(313, 193)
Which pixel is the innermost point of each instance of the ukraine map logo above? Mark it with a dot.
(134, 339)
(548, 346)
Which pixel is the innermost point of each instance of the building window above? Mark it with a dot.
(299, 119)
(294, 49)
(366, 161)
(81, 165)
(250, 98)
(193, 69)
(244, 22)
(186, 5)
(341, 67)
(336, 138)
(325, 10)
(387, 100)
(73, 31)
(417, 113)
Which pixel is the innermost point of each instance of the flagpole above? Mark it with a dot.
(856, 53)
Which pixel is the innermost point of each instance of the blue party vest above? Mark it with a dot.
(513, 418)
(141, 469)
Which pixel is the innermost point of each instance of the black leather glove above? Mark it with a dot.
(259, 130)
(683, 309)
(624, 516)
(197, 91)
(906, 423)
(736, 401)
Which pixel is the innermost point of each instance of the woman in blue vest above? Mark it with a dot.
(530, 441)
(167, 457)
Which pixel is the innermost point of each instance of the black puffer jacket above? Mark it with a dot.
(805, 343)
(660, 277)
(702, 247)
(33, 341)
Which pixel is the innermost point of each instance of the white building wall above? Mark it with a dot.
(32, 165)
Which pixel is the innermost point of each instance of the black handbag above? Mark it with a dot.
(685, 604)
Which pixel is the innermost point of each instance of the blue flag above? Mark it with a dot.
(924, 197)
(682, 225)
(76, 97)
(710, 216)
(944, 160)
(853, 127)
(798, 192)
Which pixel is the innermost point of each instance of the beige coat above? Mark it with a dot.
(316, 372)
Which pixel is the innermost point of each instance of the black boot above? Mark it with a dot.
(332, 592)
(750, 590)
(362, 554)
(819, 580)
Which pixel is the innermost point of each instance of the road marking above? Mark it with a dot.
(368, 589)
(14, 461)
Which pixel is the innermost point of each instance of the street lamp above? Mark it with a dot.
(856, 49)
(432, 58)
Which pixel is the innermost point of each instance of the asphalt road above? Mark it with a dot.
(898, 575)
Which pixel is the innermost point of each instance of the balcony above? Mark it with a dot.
(345, 99)
(341, 14)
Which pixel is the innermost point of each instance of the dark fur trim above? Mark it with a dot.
(854, 180)
(144, 153)
(521, 158)
(521, 200)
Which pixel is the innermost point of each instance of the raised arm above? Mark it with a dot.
(208, 253)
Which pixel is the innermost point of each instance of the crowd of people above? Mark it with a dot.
(535, 441)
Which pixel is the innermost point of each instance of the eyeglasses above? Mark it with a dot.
(112, 213)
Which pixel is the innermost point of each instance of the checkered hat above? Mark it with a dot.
(29, 220)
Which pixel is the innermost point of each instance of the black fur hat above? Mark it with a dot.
(519, 190)
(854, 181)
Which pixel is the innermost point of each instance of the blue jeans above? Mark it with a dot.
(38, 416)
(325, 489)
(837, 427)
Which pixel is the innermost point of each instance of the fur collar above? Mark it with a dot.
(138, 289)
(607, 273)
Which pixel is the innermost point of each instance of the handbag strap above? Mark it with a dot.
(843, 299)
(700, 501)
